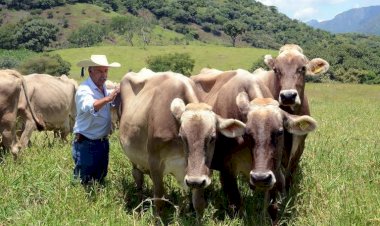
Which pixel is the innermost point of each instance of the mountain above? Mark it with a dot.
(364, 20)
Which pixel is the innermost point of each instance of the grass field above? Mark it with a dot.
(134, 58)
(338, 181)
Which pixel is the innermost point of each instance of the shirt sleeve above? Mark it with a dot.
(85, 101)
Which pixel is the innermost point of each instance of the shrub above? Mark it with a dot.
(87, 35)
(8, 62)
(46, 64)
(8, 37)
(176, 62)
(36, 34)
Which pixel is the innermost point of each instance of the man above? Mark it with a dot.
(93, 121)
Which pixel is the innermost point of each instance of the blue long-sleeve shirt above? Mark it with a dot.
(92, 124)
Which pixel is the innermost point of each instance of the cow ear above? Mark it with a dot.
(230, 127)
(177, 107)
(269, 61)
(242, 101)
(317, 66)
(299, 125)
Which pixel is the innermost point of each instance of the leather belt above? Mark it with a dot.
(80, 137)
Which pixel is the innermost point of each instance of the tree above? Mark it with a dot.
(8, 39)
(177, 62)
(145, 25)
(233, 29)
(36, 34)
(87, 35)
(126, 26)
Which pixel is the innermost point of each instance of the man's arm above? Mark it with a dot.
(98, 104)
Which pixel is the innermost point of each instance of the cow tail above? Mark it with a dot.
(39, 123)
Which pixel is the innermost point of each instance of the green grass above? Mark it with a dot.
(134, 58)
(338, 181)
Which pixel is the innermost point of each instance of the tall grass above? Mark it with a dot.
(338, 179)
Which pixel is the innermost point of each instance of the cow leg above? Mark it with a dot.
(30, 126)
(231, 190)
(138, 176)
(271, 198)
(8, 137)
(298, 145)
(199, 202)
(273, 207)
(156, 174)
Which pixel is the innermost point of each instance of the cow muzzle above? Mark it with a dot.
(289, 97)
(197, 181)
(264, 180)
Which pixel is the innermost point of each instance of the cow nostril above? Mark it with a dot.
(196, 183)
(262, 178)
(288, 96)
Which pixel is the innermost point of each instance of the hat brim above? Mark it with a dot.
(90, 63)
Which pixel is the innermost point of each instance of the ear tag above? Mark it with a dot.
(303, 125)
(317, 70)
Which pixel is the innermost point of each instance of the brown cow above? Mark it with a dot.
(165, 129)
(11, 84)
(286, 82)
(258, 155)
(52, 99)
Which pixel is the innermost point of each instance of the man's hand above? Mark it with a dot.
(114, 93)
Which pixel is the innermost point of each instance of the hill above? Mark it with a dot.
(244, 23)
(364, 20)
(133, 58)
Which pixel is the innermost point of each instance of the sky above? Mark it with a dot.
(305, 10)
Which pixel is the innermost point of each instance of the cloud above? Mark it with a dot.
(305, 14)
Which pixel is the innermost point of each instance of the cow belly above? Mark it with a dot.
(172, 161)
(138, 156)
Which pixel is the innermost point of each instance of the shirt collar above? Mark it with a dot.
(93, 86)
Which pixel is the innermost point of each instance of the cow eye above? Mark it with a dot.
(212, 139)
(301, 70)
(279, 132)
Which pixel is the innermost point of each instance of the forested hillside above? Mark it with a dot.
(353, 58)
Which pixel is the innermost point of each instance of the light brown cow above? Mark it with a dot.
(165, 129)
(11, 84)
(52, 99)
(286, 82)
(258, 155)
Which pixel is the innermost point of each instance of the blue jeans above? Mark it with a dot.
(91, 160)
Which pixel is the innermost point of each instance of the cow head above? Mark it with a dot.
(290, 68)
(198, 130)
(265, 126)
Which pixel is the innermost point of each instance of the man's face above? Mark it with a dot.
(98, 75)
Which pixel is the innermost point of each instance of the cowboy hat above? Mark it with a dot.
(97, 60)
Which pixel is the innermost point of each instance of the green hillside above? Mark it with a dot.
(245, 23)
(134, 58)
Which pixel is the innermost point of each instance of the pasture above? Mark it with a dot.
(134, 58)
(338, 180)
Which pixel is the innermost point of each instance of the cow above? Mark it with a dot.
(166, 129)
(53, 99)
(239, 95)
(11, 84)
(286, 81)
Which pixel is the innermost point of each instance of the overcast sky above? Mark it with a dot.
(320, 10)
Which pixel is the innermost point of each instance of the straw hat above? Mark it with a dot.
(97, 60)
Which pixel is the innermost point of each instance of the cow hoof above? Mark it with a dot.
(15, 152)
